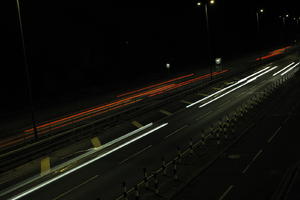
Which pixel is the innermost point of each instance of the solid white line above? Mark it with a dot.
(272, 137)
(226, 88)
(84, 164)
(173, 133)
(226, 192)
(230, 91)
(135, 154)
(246, 169)
(251, 162)
(257, 154)
(290, 69)
(283, 69)
(74, 188)
(74, 160)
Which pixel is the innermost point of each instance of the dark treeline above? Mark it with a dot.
(110, 45)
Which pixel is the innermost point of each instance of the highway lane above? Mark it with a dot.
(254, 168)
(122, 101)
(107, 169)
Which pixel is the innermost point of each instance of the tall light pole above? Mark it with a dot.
(258, 23)
(260, 11)
(29, 84)
(206, 3)
(284, 26)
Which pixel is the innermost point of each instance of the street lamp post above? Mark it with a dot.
(284, 18)
(27, 71)
(206, 3)
(258, 23)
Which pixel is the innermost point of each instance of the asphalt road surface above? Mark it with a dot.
(103, 177)
(254, 168)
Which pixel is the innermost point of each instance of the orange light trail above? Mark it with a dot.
(155, 85)
(49, 126)
(274, 53)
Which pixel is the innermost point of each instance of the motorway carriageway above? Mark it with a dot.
(123, 100)
(108, 165)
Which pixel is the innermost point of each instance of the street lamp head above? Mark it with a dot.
(287, 15)
(212, 1)
(199, 3)
(261, 10)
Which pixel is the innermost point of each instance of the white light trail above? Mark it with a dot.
(283, 69)
(84, 164)
(240, 81)
(230, 91)
(290, 69)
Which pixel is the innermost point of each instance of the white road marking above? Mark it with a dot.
(76, 187)
(287, 119)
(232, 90)
(202, 117)
(185, 126)
(135, 154)
(201, 94)
(240, 81)
(37, 187)
(272, 137)
(226, 192)
(186, 102)
(165, 112)
(257, 154)
(251, 162)
(220, 106)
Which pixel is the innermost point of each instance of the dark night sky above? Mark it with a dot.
(72, 44)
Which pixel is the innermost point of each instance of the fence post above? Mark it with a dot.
(125, 195)
(137, 192)
(175, 170)
(163, 166)
(191, 146)
(146, 178)
(179, 155)
(156, 183)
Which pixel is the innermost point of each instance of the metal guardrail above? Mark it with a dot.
(220, 133)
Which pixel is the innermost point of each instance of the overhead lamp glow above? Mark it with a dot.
(261, 10)
(212, 2)
(199, 3)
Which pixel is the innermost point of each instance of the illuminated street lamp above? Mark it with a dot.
(29, 84)
(206, 3)
(258, 13)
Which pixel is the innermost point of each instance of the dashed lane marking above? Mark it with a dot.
(273, 136)
(215, 88)
(165, 112)
(251, 162)
(202, 94)
(173, 133)
(76, 187)
(203, 116)
(135, 154)
(186, 102)
(226, 192)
